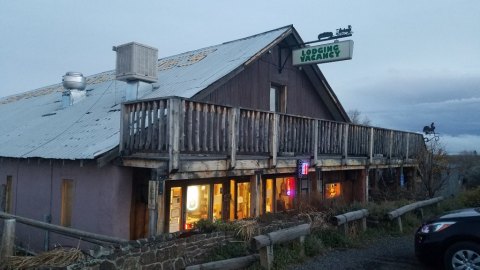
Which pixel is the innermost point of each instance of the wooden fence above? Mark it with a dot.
(171, 126)
(398, 213)
(9, 232)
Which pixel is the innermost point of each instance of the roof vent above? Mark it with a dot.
(136, 62)
(74, 80)
(74, 84)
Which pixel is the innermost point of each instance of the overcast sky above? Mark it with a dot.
(414, 62)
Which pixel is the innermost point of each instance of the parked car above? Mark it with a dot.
(452, 240)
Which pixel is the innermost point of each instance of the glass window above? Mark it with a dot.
(277, 99)
(285, 189)
(197, 204)
(332, 190)
(217, 201)
(175, 209)
(232, 200)
(269, 196)
(243, 200)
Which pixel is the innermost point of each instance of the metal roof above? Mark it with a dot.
(33, 124)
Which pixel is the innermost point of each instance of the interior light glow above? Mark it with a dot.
(192, 198)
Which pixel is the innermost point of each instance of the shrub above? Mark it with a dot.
(204, 226)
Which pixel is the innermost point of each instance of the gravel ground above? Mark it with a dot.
(389, 253)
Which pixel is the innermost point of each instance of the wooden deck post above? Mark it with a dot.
(315, 142)
(161, 204)
(152, 207)
(408, 146)
(255, 194)
(390, 145)
(233, 135)
(274, 139)
(174, 133)
(371, 145)
(345, 142)
(8, 239)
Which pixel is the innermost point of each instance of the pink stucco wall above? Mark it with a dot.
(101, 197)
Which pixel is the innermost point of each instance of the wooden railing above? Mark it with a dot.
(171, 126)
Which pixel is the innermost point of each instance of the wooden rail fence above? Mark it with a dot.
(398, 213)
(98, 239)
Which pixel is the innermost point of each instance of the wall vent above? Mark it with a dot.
(136, 62)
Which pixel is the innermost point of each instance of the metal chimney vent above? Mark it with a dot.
(74, 80)
(136, 62)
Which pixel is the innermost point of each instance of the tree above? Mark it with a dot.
(434, 168)
(357, 118)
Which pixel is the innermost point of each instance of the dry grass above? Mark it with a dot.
(246, 229)
(55, 258)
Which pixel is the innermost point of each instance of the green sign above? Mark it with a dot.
(331, 52)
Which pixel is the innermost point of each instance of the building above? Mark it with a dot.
(228, 132)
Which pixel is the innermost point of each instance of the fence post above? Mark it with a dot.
(266, 257)
(301, 242)
(399, 222)
(8, 238)
(344, 228)
(364, 224)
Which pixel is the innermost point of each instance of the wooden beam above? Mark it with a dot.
(107, 157)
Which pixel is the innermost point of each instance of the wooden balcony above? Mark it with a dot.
(169, 130)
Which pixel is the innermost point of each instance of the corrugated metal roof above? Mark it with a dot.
(33, 124)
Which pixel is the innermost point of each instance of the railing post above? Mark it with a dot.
(274, 139)
(345, 142)
(174, 133)
(233, 135)
(371, 146)
(8, 239)
(124, 127)
(390, 145)
(408, 146)
(315, 142)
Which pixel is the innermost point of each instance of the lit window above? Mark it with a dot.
(285, 188)
(197, 204)
(332, 190)
(175, 209)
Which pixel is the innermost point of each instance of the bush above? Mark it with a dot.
(204, 226)
(470, 198)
